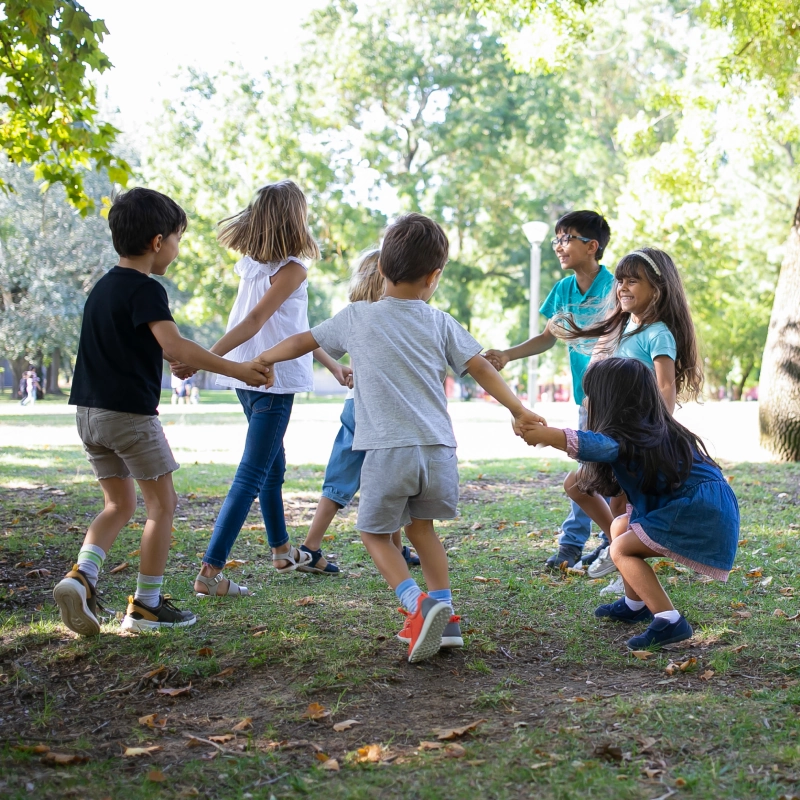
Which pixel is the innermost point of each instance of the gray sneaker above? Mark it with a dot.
(602, 565)
(451, 636)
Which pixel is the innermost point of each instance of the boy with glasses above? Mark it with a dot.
(580, 241)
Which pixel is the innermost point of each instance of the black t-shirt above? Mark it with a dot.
(120, 362)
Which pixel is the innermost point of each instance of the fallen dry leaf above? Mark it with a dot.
(346, 725)
(742, 614)
(738, 648)
(481, 579)
(119, 568)
(131, 752)
(38, 573)
(63, 759)
(154, 672)
(205, 652)
(688, 665)
(454, 750)
(652, 773)
(315, 711)
(193, 741)
(707, 675)
(222, 738)
(321, 756)
(305, 601)
(153, 721)
(332, 764)
(46, 510)
(234, 563)
(32, 748)
(608, 751)
(786, 591)
(430, 746)
(454, 733)
(328, 537)
(156, 775)
(642, 655)
(23, 564)
(134, 553)
(756, 572)
(175, 692)
(371, 753)
(779, 612)
(247, 722)
(224, 674)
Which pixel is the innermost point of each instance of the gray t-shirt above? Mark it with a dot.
(400, 350)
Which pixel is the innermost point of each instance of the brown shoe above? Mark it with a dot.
(140, 617)
(77, 601)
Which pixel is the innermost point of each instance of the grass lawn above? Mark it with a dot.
(559, 709)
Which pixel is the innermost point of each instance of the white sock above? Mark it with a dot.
(634, 605)
(148, 589)
(90, 561)
(670, 616)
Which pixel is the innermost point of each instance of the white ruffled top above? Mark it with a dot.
(292, 317)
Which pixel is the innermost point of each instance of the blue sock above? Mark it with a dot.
(407, 593)
(445, 595)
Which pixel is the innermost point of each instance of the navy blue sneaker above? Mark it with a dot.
(620, 612)
(662, 632)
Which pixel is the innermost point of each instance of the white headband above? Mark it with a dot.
(647, 259)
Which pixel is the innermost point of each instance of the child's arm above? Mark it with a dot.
(665, 376)
(339, 371)
(489, 379)
(538, 344)
(542, 435)
(289, 349)
(284, 282)
(191, 354)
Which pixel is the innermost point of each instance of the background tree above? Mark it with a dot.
(49, 114)
(50, 257)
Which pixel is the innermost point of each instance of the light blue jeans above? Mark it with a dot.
(259, 474)
(577, 527)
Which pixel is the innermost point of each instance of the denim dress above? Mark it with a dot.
(696, 524)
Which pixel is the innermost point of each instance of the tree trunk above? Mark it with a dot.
(18, 366)
(779, 388)
(52, 372)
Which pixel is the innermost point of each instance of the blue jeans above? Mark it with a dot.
(343, 473)
(259, 474)
(577, 527)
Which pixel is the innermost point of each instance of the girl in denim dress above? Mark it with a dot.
(679, 504)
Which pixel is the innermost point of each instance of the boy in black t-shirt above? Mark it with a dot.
(127, 327)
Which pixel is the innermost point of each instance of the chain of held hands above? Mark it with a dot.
(528, 426)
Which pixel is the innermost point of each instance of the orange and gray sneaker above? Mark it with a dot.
(451, 636)
(77, 601)
(424, 628)
(140, 617)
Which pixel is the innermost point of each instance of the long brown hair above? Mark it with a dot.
(273, 227)
(366, 281)
(624, 402)
(669, 305)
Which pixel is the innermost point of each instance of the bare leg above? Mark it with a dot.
(594, 505)
(388, 559)
(160, 501)
(323, 516)
(629, 554)
(397, 540)
(619, 505)
(431, 553)
(120, 504)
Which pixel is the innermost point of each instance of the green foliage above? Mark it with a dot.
(49, 105)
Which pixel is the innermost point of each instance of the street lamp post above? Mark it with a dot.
(535, 232)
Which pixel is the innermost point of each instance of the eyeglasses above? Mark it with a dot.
(566, 239)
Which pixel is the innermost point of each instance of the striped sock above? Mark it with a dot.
(407, 593)
(444, 595)
(90, 561)
(148, 589)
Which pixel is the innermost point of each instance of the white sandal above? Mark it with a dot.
(295, 557)
(213, 586)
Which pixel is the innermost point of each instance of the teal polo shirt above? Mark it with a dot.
(566, 298)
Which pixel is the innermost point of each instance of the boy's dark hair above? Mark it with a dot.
(413, 247)
(136, 217)
(624, 402)
(589, 224)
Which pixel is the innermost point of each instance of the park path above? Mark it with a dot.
(214, 432)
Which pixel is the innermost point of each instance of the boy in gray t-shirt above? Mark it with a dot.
(400, 349)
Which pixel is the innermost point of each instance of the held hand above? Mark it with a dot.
(526, 418)
(180, 370)
(530, 433)
(345, 376)
(497, 358)
(256, 373)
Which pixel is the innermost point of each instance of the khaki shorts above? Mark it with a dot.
(399, 483)
(122, 445)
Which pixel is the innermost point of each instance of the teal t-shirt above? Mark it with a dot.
(646, 344)
(566, 298)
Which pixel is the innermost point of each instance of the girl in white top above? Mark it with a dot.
(272, 234)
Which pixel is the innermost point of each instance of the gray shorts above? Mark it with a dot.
(404, 482)
(122, 445)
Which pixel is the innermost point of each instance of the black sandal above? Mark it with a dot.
(411, 559)
(311, 566)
